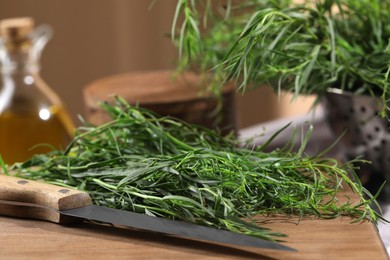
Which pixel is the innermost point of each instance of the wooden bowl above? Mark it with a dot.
(182, 97)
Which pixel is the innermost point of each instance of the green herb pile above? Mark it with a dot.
(161, 166)
(304, 47)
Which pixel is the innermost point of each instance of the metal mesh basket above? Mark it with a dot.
(367, 135)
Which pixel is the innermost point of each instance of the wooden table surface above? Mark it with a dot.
(313, 238)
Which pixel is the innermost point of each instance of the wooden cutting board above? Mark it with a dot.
(313, 238)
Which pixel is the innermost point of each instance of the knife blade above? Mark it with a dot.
(38, 200)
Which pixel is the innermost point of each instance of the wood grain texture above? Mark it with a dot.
(31, 199)
(315, 239)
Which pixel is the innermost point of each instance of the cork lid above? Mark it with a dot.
(15, 31)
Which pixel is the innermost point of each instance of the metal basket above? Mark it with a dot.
(367, 135)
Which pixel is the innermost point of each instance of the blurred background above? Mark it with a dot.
(95, 39)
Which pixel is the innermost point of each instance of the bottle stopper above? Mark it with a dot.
(15, 31)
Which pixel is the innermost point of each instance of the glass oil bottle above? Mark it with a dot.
(33, 119)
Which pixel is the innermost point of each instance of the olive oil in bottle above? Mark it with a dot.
(33, 119)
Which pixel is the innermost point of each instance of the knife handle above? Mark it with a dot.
(37, 200)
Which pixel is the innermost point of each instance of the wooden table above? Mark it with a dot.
(314, 239)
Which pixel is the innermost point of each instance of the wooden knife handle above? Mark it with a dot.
(37, 200)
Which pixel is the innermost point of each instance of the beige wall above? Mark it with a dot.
(94, 39)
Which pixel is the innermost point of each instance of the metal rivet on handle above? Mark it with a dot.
(22, 182)
(64, 191)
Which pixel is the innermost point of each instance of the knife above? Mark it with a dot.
(37, 200)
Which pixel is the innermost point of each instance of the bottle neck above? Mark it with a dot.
(18, 62)
(19, 72)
